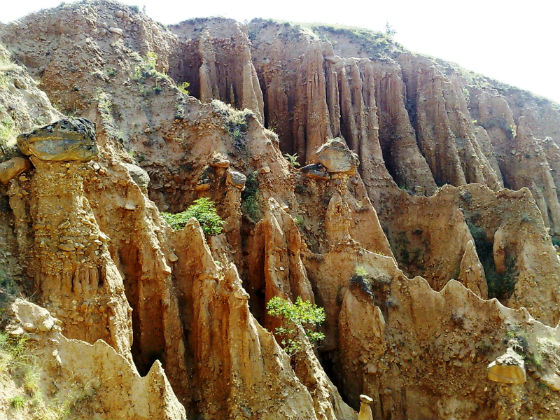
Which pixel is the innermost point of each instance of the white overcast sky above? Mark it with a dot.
(517, 42)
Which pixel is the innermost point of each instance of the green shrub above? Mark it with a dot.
(202, 210)
(146, 70)
(152, 57)
(292, 159)
(12, 352)
(500, 286)
(294, 315)
(360, 270)
(299, 221)
(184, 87)
(17, 402)
(249, 201)
(236, 122)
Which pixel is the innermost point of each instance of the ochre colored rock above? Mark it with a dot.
(365, 408)
(64, 140)
(240, 86)
(12, 168)
(509, 368)
(74, 366)
(416, 333)
(74, 274)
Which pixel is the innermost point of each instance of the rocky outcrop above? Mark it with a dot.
(416, 393)
(503, 267)
(335, 156)
(73, 370)
(275, 267)
(139, 249)
(67, 254)
(220, 48)
(64, 140)
(337, 232)
(233, 357)
(22, 104)
(443, 125)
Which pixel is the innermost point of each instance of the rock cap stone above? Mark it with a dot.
(219, 161)
(237, 179)
(335, 155)
(366, 399)
(509, 368)
(69, 139)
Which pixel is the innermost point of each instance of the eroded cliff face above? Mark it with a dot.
(406, 275)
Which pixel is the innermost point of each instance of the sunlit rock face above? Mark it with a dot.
(347, 171)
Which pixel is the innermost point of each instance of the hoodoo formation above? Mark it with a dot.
(197, 222)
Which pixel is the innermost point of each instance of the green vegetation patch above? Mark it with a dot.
(6, 133)
(294, 315)
(292, 159)
(375, 44)
(202, 210)
(521, 345)
(249, 198)
(184, 87)
(500, 286)
(146, 70)
(236, 122)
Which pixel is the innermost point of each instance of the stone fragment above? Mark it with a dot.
(337, 157)
(237, 179)
(12, 168)
(66, 247)
(205, 179)
(70, 139)
(316, 171)
(138, 175)
(201, 186)
(551, 380)
(219, 161)
(509, 368)
(365, 408)
(34, 318)
(116, 31)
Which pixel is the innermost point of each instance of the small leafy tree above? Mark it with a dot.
(299, 314)
(202, 210)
